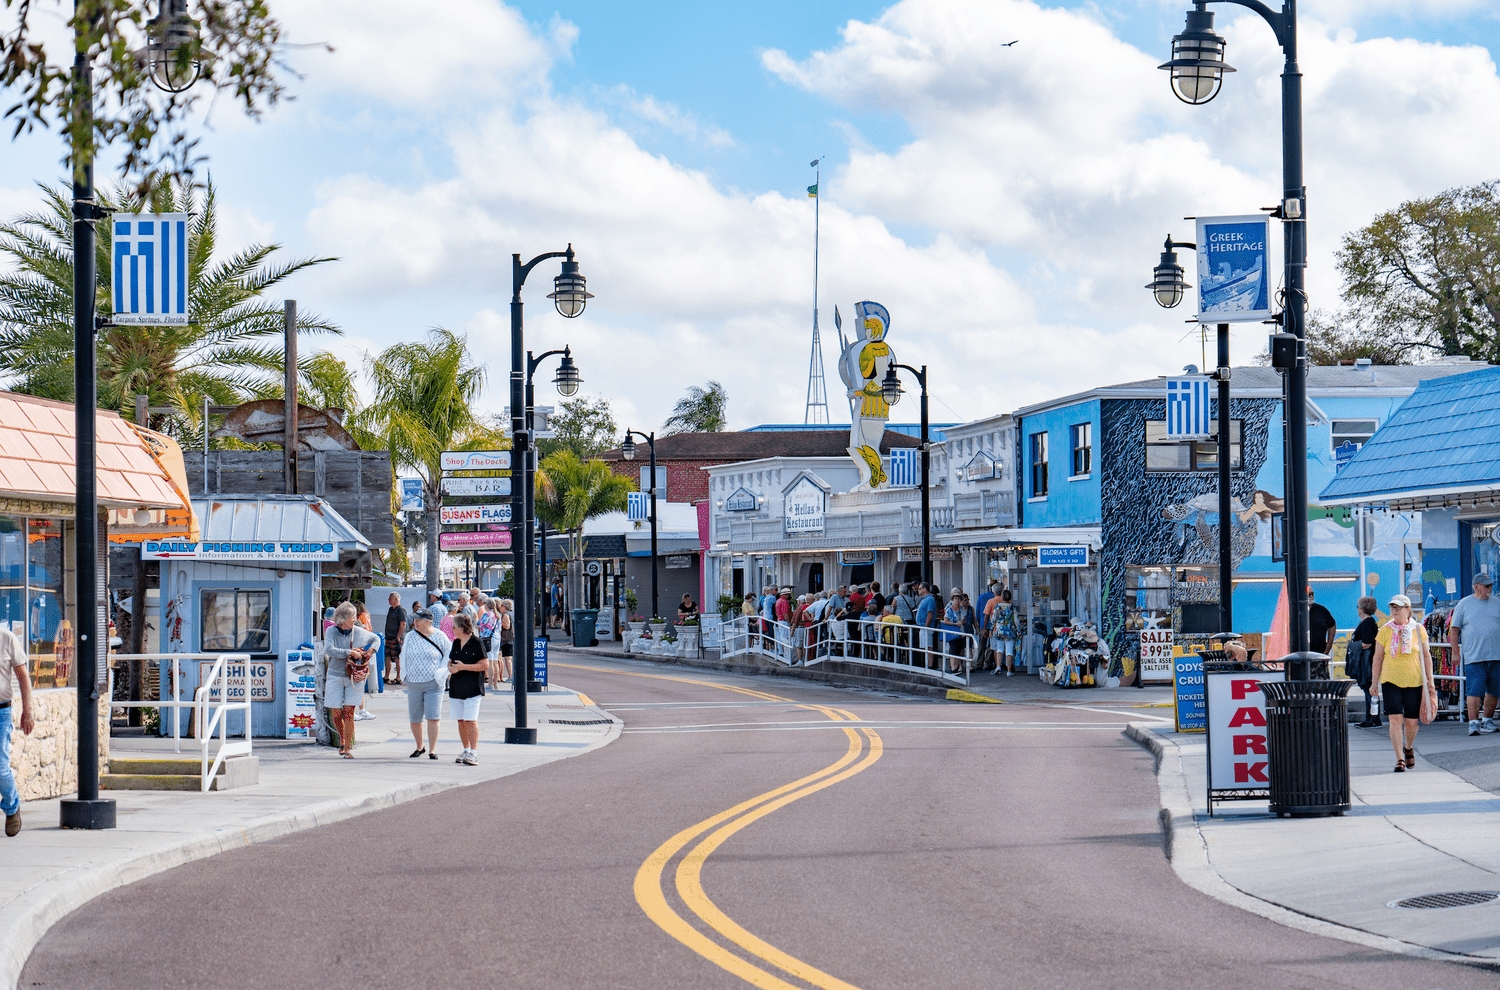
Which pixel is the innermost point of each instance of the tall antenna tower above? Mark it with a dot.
(817, 391)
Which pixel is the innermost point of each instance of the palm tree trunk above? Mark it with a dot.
(434, 579)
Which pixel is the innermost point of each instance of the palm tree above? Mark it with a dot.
(425, 392)
(231, 352)
(569, 492)
(702, 410)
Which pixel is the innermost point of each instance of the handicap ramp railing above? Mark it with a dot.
(210, 704)
(944, 654)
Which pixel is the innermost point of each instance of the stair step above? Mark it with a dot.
(157, 765)
(178, 775)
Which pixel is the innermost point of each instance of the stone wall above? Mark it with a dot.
(46, 762)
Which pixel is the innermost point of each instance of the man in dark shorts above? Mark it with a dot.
(395, 629)
(1322, 630)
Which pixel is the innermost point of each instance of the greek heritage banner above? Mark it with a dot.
(1234, 269)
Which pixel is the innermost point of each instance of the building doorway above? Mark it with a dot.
(814, 578)
(861, 574)
(737, 584)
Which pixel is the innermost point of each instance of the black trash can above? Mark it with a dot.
(583, 626)
(1307, 743)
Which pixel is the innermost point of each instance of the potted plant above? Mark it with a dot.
(658, 626)
(687, 636)
(729, 607)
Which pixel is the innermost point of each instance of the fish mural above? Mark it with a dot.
(1192, 517)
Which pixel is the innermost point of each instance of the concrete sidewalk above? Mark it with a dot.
(46, 872)
(1424, 831)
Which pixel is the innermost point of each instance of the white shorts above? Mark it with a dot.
(464, 709)
(340, 692)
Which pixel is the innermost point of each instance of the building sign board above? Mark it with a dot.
(301, 695)
(483, 540)
(476, 486)
(411, 495)
(679, 562)
(855, 558)
(149, 269)
(804, 505)
(981, 467)
(1234, 269)
(1156, 656)
(475, 460)
(913, 554)
(1187, 690)
(465, 515)
(252, 551)
(1063, 556)
(743, 500)
(262, 679)
(1238, 762)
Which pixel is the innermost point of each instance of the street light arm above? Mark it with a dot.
(520, 271)
(921, 375)
(1278, 21)
(532, 363)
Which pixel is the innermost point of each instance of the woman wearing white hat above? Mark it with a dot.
(1403, 669)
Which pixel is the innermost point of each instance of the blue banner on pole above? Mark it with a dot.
(411, 495)
(906, 467)
(539, 661)
(1234, 265)
(638, 506)
(1188, 408)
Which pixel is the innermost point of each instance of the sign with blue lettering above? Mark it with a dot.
(149, 269)
(1343, 454)
(1188, 408)
(182, 550)
(539, 661)
(1234, 268)
(1076, 556)
(1187, 691)
(411, 495)
(743, 500)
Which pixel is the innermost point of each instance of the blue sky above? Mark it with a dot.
(1005, 203)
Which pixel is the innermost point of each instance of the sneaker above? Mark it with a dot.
(13, 824)
(1473, 726)
(364, 716)
(1488, 725)
(470, 759)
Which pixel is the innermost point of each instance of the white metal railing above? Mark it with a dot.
(861, 641)
(216, 683)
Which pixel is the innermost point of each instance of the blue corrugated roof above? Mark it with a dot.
(1445, 436)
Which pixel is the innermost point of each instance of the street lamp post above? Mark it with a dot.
(627, 450)
(890, 389)
(1168, 286)
(1197, 67)
(567, 382)
(571, 297)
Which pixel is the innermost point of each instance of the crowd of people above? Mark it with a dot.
(916, 625)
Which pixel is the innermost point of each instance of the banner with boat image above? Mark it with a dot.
(1234, 266)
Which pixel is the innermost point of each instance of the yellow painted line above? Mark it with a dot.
(957, 694)
(583, 699)
(690, 879)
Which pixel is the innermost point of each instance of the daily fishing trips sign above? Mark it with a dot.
(1234, 269)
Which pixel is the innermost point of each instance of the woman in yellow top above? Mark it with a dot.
(1403, 669)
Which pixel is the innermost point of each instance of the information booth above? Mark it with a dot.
(252, 584)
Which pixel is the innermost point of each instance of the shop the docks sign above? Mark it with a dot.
(173, 550)
(1234, 262)
(464, 515)
(475, 460)
(804, 504)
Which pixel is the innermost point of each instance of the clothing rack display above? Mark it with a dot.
(1447, 669)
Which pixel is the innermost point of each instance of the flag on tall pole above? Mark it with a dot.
(812, 191)
(817, 392)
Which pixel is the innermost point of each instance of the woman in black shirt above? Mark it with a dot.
(1359, 658)
(467, 665)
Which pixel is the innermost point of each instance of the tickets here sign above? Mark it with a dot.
(1187, 690)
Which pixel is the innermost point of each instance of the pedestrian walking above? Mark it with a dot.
(1322, 630)
(349, 649)
(748, 609)
(466, 669)
(1474, 631)
(425, 650)
(506, 624)
(484, 627)
(13, 656)
(1403, 669)
(1359, 658)
(1006, 630)
(396, 624)
(362, 619)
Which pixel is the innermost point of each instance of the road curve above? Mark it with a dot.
(740, 832)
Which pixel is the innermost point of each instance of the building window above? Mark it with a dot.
(1039, 465)
(1355, 431)
(1083, 448)
(1165, 454)
(236, 621)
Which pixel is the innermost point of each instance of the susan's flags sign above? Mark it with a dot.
(1234, 269)
(149, 268)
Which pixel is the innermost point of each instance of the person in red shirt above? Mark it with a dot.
(799, 624)
(857, 601)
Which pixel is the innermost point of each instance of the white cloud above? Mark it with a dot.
(669, 116)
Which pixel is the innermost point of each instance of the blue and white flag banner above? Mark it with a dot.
(149, 268)
(906, 467)
(1188, 408)
(638, 506)
(1234, 269)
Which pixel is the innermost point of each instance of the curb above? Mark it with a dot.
(27, 919)
(1187, 851)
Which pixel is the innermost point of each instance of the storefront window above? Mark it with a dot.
(235, 620)
(1151, 592)
(51, 633)
(1039, 465)
(13, 575)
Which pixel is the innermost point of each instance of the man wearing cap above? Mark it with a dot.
(1478, 618)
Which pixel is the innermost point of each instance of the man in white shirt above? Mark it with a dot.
(13, 656)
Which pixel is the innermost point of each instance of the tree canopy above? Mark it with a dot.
(702, 410)
(586, 427)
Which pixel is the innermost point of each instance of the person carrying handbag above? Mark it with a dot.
(349, 649)
(1403, 669)
(426, 653)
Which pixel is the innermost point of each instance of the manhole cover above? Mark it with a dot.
(572, 721)
(1452, 899)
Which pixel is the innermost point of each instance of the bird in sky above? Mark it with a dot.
(1007, 44)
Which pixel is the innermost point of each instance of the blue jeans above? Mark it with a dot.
(10, 795)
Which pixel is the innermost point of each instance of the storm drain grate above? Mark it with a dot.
(574, 721)
(1451, 899)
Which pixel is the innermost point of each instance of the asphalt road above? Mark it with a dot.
(741, 831)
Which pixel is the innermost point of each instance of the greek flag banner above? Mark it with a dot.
(149, 269)
(906, 467)
(1188, 408)
(638, 506)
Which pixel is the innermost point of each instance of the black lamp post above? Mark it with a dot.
(567, 382)
(1169, 288)
(571, 296)
(627, 450)
(890, 390)
(1197, 67)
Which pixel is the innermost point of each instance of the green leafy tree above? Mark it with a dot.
(231, 352)
(425, 393)
(569, 492)
(1426, 275)
(586, 427)
(702, 410)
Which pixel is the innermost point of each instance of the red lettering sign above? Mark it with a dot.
(1245, 773)
(1247, 716)
(1248, 745)
(1240, 690)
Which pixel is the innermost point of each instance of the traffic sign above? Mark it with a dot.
(476, 486)
(483, 540)
(475, 460)
(460, 515)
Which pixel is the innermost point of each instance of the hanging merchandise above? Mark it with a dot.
(1077, 656)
